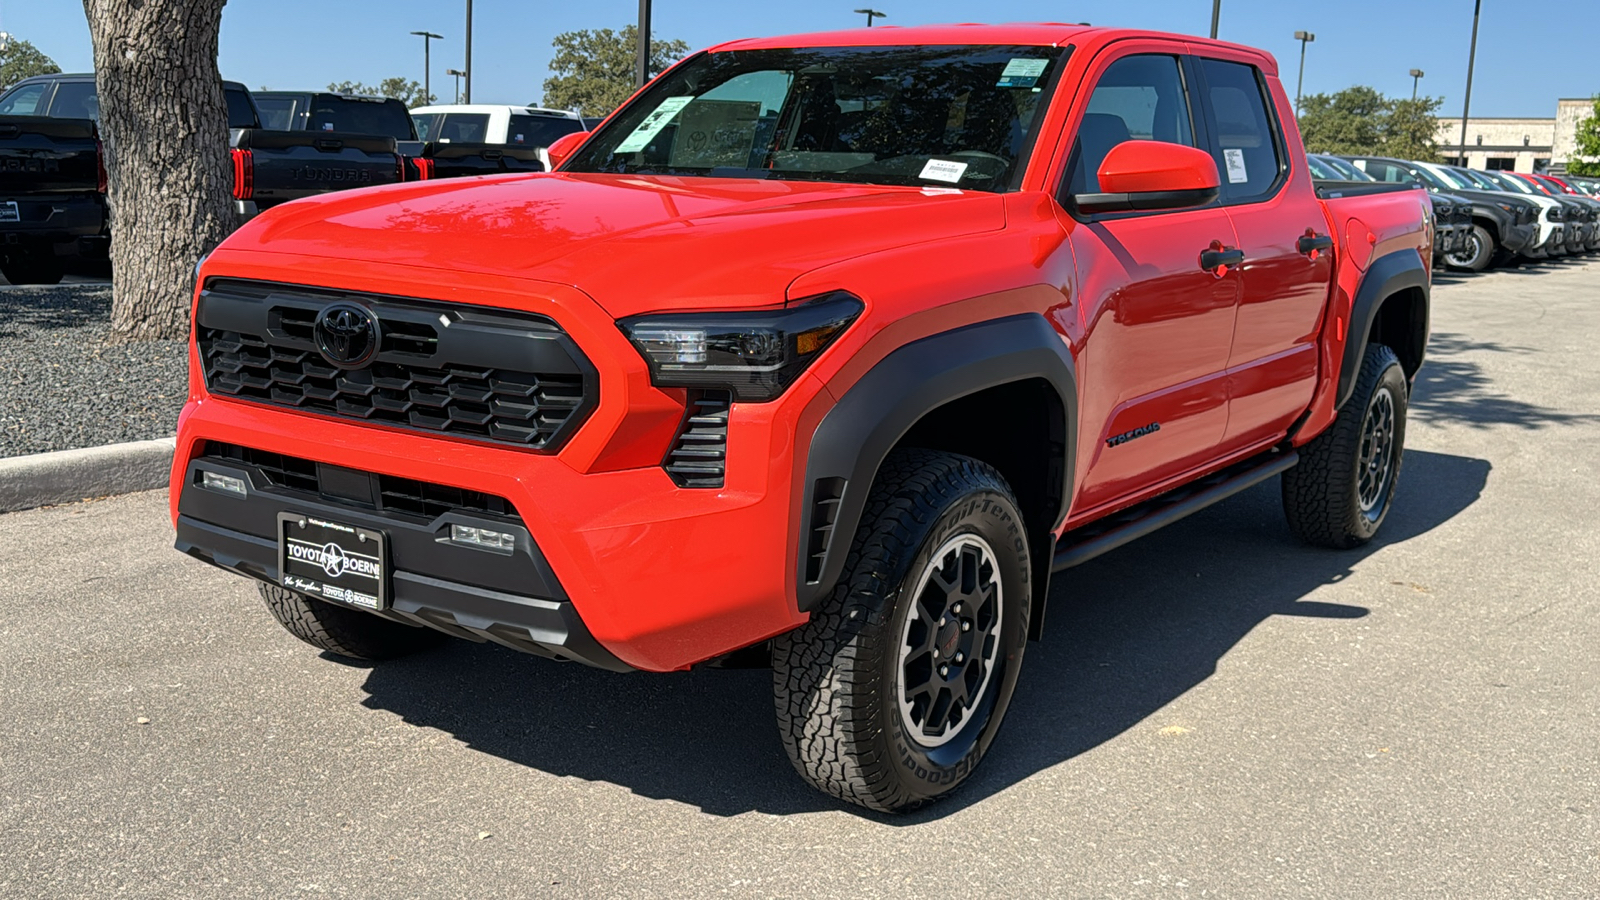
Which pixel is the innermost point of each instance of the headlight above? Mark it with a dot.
(757, 354)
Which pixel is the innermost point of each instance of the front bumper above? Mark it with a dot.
(1517, 238)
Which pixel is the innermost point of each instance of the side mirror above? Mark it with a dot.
(563, 147)
(1148, 175)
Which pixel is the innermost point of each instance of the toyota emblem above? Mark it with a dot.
(346, 335)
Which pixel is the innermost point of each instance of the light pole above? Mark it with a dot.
(641, 66)
(1216, 16)
(872, 14)
(428, 38)
(1472, 58)
(1304, 37)
(467, 74)
(1416, 76)
(457, 73)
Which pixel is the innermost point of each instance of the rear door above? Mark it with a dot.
(1272, 367)
(1158, 326)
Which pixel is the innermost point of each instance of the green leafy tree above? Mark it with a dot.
(593, 71)
(1587, 160)
(1349, 122)
(20, 59)
(1410, 127)
(408, 92)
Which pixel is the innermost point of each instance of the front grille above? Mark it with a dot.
(698, 457)
(492, 375)
(386, 493)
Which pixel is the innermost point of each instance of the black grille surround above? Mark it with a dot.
(480, 373)
(699, 454)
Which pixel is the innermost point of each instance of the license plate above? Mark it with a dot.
(333, 561)
(8, 212)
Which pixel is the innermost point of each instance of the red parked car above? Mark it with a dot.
(835, 345)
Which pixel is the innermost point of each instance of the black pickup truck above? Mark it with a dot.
(52, 198)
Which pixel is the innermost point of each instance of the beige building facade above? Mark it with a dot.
(1520, 145)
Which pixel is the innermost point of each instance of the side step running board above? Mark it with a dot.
(1104, 535)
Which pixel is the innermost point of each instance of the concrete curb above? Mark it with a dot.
(42, 479)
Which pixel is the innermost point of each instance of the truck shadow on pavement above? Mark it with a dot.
(1126, 635)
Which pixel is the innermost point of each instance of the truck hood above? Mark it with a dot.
(633, 243)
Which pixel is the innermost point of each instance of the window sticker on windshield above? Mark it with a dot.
(652, 124)
(943, 170)
(1021, 73)
(1237, 174)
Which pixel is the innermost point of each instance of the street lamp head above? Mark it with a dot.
(455, 72)
(872, 12)
(1416, 73)
(1304, 36)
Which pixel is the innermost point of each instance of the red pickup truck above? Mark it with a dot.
(833, 347)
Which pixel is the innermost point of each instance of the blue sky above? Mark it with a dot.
(1526, 60)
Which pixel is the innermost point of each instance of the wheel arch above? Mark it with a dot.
(1009, 383)
(1390, 308)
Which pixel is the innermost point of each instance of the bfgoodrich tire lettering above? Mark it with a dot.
(344, 632)
(1341, 491)
(839, 681)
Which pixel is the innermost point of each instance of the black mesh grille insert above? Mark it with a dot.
(422, 499)
(698, 457)
(491, 375)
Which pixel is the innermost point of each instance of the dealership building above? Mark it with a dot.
(1520, 145)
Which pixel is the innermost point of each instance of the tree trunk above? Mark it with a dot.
(164, 125)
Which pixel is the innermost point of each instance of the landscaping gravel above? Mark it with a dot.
(63, 386)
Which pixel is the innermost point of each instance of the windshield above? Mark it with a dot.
(957, 116)
(387, 118)
(1320, 169)
(1346, 169)
(1473, 179)
(1442, 178)
(1519, 185)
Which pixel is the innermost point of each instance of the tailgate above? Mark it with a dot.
(457, 160)
(292, 164)
(40, 155)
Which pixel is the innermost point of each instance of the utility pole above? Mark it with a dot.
(871, 14)
(1472, 59)
(641, 73)
(467, 95)
(428, 38)
(1216, 16)
(1304, 37)
(1416, 75)
(457, 73)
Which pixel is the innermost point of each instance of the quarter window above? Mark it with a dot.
(24, 101)
(1245, 139)
(1137, 98)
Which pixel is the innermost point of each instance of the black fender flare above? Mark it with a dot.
(852, 440)
(1386, 276)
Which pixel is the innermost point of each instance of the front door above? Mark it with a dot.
(1157, 326)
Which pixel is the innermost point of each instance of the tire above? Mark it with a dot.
(345, 632)
(31, 271)
(1477, 253)
(934, 525)
(1340, 492)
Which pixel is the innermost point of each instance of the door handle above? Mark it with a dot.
(1314, 243)
(1214, 258)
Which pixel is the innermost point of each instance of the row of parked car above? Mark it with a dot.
(1484, 218)
(284, 145)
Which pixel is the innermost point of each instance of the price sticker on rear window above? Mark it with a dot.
(943, 170)
(1022, 73)
(652, 124)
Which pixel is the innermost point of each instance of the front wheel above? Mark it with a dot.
(1476, 253)
(890, 696)
(1340, 492)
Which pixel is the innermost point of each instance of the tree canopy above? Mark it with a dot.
(593, 71)
(1586, 161)
(20, 60)
(408, 92)
(1360, 121)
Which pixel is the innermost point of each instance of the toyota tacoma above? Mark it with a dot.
(832, 348)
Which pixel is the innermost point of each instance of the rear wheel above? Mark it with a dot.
(1475, 253)
(31, 270)
(342, 631)
(890, 696)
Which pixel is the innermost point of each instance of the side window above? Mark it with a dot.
(75, 100)
(24, 101)
(1137, 98)
(1247, 144)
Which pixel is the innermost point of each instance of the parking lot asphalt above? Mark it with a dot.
(1215, 711)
